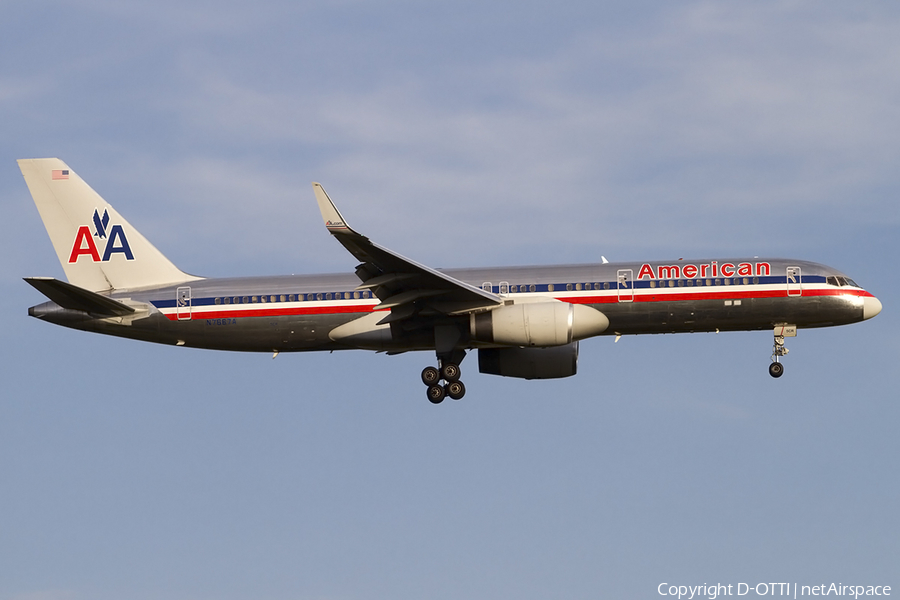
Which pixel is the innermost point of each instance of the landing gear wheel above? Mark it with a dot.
(456, 390)
(450, 372)
(436, 394)
(430, 376)
(776, 369)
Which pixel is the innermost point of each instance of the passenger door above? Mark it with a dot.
(794, 282)
(183, 303)
(625, 285)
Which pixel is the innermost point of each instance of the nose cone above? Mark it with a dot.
(871, 307)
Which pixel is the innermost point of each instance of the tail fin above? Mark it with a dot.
(98, 249)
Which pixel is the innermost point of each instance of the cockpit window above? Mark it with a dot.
(840, 281)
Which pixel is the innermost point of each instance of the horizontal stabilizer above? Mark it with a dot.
(76, 298)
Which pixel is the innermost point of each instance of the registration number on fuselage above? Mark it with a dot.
(221, 321)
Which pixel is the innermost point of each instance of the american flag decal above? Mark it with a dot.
(56, 174)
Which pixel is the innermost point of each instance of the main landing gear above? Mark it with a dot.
(776, 369)
(448, 372)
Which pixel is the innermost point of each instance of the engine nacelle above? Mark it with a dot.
(530, 363)
(538, 324)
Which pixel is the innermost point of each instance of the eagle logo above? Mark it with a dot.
(100, 224)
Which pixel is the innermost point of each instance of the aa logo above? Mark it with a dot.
(116, 242)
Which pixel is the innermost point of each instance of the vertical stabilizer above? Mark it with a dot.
(99, 250)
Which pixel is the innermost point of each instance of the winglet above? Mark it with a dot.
(334, 221)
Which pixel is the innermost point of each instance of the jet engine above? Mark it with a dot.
(538, 324)
(530, 363)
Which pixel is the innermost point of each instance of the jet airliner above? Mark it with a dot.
(523, 321)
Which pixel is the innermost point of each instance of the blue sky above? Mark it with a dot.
(458, 135)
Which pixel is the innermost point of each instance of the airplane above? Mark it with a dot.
(525, 322)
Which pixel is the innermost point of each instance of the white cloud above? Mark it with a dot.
(698, 117)
(718, 108)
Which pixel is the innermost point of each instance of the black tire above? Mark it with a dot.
(436, 394)
(450, 372)
(776, 369)
(456, 390)
(430, 376)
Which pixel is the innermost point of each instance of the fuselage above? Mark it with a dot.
(299, 313)
(525, 322)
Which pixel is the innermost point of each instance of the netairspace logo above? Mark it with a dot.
(771, 589)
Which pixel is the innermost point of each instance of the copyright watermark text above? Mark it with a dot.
(794, 590)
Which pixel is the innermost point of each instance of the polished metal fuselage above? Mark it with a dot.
(297, 313)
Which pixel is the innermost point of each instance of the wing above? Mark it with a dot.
(406, 287)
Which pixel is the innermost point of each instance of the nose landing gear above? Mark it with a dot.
(776, 369)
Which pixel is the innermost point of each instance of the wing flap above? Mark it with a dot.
(387, 279)
(408, 297)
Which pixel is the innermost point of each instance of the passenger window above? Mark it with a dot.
(218, 301)
(653, 284)
(246, 299)
(746, 280)
(262, 298)
(568, 287)
(550, 288)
